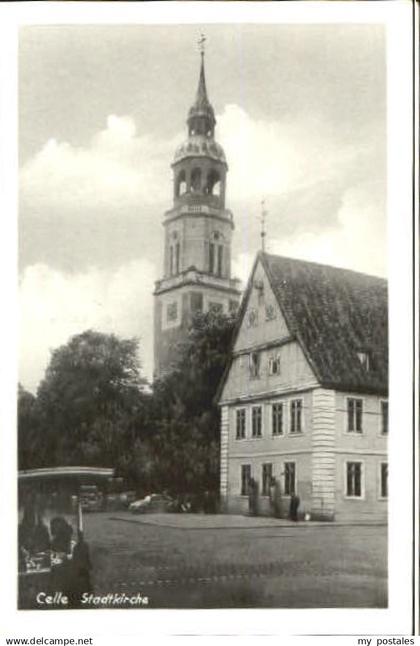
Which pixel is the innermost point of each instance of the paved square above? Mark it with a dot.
(194, 561)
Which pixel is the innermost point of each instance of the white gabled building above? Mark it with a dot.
(304, 399)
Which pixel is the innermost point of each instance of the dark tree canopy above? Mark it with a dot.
(89, 396)
(90, 409)
(188, 420)
(28, 429)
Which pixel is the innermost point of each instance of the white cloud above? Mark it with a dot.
(55, 305)
(358, 242)
(274, 158)
(118, 168)
(121, 167)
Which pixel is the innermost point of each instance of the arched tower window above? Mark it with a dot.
(216, 254)
(174, 255)
(181, 184)
(213, 186)
(196, 180)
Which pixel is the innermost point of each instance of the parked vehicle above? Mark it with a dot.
(119, 501)
(154, 502)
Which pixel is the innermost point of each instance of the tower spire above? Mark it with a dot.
(198, 233)
(201, 119)
(263, 216)
(202, 98)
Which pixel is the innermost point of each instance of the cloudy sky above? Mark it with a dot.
(300, 113)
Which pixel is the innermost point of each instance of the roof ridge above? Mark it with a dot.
(321, 265)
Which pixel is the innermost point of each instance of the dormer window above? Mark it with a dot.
(365, 360)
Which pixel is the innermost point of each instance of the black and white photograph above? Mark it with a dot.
(204, 257)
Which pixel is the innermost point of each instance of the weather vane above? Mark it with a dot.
(263, 216)
(201, 44)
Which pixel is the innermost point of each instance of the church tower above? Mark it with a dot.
(198, 232)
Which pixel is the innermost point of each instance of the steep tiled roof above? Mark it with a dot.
(335, 314)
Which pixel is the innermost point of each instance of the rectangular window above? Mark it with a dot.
(296, 416)
(211, 258)
(245, 478)
(267, 474)
(384, 480)
(289, 478)
(274, 365)
(384, 418)
(354, 415)
(256, 421)
(196, 302)
(220, 260)
(277, 419)
(172, 312)
(354, 479)
(254, 365)
(240, 423)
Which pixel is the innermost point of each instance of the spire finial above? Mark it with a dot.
(202, 44)
(202, 91)
(263, 216)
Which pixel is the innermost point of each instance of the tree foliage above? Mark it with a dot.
(28, 430)
(90, 409)
(188, 421)
(90, 398)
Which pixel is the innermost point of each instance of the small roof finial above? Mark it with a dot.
(263, 216)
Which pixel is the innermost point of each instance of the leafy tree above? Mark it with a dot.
(90, 399)
(29, 444)
(187, 420)
(90, 409)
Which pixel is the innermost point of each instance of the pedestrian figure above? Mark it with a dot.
(294, 506)
(272, 496)
(253, 501)
(277, 498)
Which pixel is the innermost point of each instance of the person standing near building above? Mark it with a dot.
(277, 498)
(294, 506)
(253, 497)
